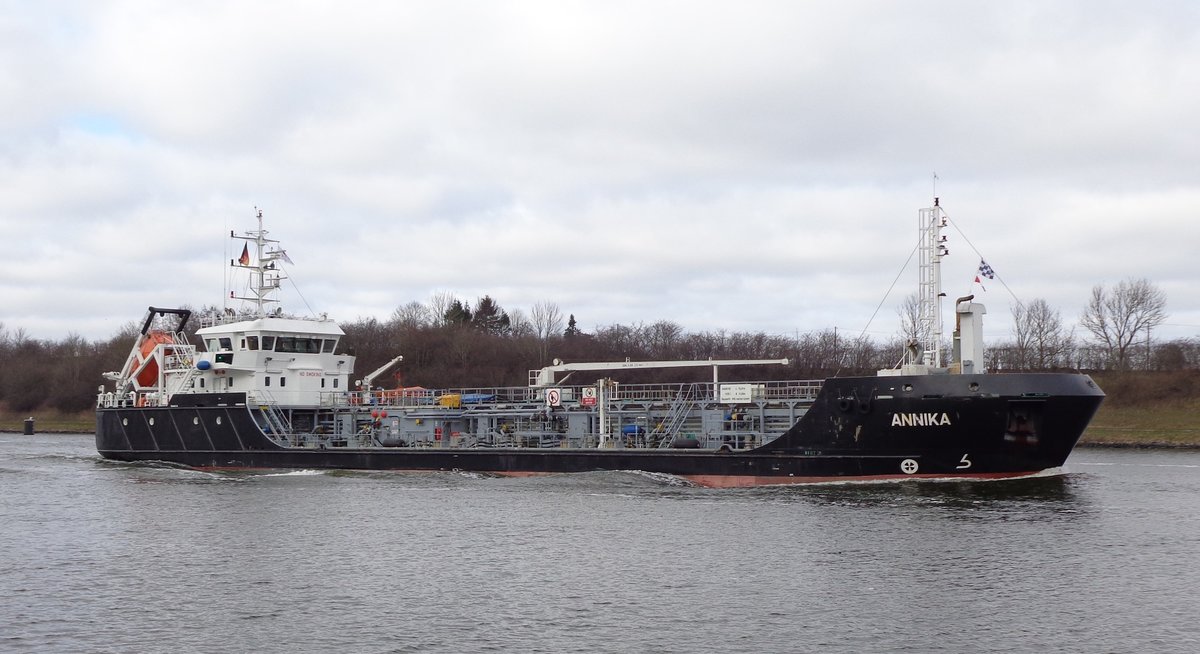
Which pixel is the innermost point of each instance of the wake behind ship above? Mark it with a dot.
(265, 390)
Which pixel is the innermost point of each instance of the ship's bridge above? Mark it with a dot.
(284, 361)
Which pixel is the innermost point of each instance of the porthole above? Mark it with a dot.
(152, 422)
(196, 421)
(125, 421)
(974, 386)
(218, 420)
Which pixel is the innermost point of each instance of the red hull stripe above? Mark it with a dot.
(743, 481)
(728, 481)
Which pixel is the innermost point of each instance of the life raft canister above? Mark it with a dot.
(149, 374)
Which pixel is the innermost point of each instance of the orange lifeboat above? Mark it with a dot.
(148, 375)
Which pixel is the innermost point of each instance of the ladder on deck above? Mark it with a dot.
(681, 407)
(280, 427)
(179, 367)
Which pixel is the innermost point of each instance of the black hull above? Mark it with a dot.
(857, 428)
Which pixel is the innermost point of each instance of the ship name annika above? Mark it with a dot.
(929, 419)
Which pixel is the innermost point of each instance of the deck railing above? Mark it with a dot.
(465, 398)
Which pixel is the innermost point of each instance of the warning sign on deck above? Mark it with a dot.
(737, 393)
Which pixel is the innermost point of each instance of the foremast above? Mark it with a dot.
(932, 248)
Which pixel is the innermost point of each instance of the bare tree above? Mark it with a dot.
(816, 351)
(439, 304)
(519, 325)
(859, 354)
(912, 332)
(1116, 318)
(13, 338)
(910, 319)
(1041, 341)
(758, 345)
(1175, 355)
(662, 339)
(547, 319)
(411, 315)
(620, 341)
(707, 345)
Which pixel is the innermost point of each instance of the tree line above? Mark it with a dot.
(449, 342)
(1120, 320)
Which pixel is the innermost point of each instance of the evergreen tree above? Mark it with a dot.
(572, 329)
(490, 318)
(458, 313)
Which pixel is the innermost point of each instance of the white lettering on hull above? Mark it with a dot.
(930, 419)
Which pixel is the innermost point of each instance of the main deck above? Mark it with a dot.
(733, 416)
(694, 415)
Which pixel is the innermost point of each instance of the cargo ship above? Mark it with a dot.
(261, 389)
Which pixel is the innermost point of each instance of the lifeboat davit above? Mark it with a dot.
(148, 375)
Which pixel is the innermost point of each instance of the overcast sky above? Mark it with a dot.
(746, 166)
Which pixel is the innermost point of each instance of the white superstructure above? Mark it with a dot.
(274, 358)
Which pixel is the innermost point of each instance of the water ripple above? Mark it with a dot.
(109, 557)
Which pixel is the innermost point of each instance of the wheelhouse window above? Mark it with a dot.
(268, 342)
(283, 381)
(226, 343)
(266, 381)
(252, 342)
(328, 346)
(298, 344)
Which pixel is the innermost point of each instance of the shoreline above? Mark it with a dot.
(1132, 445)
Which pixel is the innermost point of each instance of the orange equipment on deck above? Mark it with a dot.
(148, 376)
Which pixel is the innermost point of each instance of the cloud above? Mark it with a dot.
(743, 167)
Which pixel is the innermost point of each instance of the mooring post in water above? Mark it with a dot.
(29, 426)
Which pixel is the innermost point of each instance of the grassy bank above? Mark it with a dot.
(49, 420)
(1164, 425)
(1156, 409)
(1141, 410)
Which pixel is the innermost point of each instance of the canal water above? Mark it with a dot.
(97, 556)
